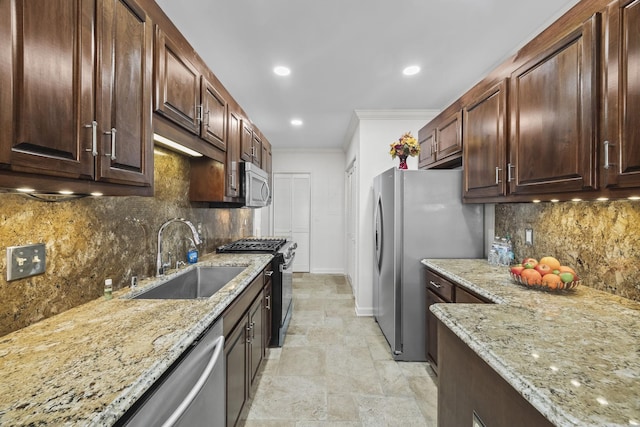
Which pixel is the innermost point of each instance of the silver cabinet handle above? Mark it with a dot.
(498, 175)
(607, 144)
(94, 138)
(268, 298)
(199, 113)
(510, 167)
(113, 143)
(431, 282)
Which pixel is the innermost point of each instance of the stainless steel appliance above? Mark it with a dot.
(281, 280)
(191, 393)
(418, 214)
(254, 186)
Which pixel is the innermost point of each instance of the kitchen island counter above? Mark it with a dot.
(573, 355)
(88, 365)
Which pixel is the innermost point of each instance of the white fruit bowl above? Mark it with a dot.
(561, 286)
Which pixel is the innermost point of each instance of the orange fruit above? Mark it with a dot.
(552, 281)
(531, 277)
(551, 262)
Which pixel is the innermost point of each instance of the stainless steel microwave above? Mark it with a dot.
(255, 186)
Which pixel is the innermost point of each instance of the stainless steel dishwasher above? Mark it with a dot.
(192, 393)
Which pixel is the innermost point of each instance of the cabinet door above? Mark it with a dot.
(449, 137)
(214, 116)
(47, 57)
(246, 142)
(553, 109)
(432, 330)
(177, 91)
(484, 144)
(466, 297)
(232, 173)
(125, 38)
(236, 359)
(427, 140)
(621, 159)
(256, 328)
(268, 312)
(256, 150)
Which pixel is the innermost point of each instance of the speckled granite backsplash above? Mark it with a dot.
(91, 239)
(600, 239)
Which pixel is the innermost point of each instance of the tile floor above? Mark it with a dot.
(335, 369)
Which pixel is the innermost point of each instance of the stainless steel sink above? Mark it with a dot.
(201, 282)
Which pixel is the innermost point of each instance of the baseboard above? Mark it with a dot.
(364, 311)
(327, 271)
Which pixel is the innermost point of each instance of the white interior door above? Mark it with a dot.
(292, 213)
(351, 215)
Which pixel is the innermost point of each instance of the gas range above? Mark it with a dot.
(253, 245)
(281, 274)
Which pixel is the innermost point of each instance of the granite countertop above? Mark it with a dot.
(88, 365)
(574, 355)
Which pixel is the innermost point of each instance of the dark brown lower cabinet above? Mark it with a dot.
(468, 387)
(441, 290)
(244, 329)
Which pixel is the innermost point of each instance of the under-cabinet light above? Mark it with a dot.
(175, 146)
(602, 199)
(65, 192)
(555, 200)
(576, 200)
(96, 194)
(536, 201)
(25, 190)
(634, 197)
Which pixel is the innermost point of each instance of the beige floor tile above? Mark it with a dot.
(336, 369)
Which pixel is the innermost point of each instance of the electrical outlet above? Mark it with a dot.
(25, 261)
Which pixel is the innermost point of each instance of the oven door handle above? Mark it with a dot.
(287, 264)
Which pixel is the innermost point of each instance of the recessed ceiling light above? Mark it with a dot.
(411, 70)
(296, 122)
(282, 71)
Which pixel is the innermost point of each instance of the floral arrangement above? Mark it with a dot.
(406, 145)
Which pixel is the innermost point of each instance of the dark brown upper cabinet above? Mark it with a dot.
(213, 127)
(553, 109)
(621, 135)
(76, 81)
(426, 139)
(441, 141)
(246, 142)
(484, 142)
(177, 84)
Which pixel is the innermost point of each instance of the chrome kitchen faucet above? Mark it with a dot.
(160, 267)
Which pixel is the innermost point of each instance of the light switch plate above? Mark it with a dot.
(528, 236)
(25, 261)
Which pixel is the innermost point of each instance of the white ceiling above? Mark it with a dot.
(348, 55)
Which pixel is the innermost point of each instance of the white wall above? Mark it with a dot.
(327, 203)
(368, 141)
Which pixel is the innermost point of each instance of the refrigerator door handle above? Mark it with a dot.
(378, 235)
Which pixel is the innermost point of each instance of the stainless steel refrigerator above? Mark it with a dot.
(418, 214)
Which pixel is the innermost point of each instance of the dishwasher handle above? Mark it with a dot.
(218, 345)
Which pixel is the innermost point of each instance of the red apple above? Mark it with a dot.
(517, 269)
(542, 269)
(529, 262)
